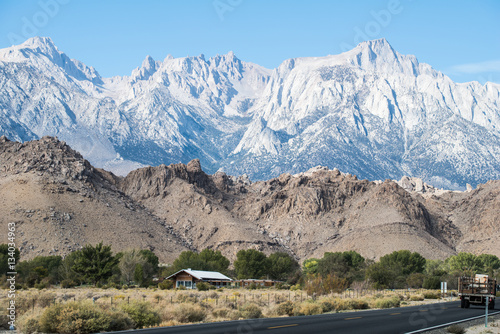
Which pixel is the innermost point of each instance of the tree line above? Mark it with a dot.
(335, 271)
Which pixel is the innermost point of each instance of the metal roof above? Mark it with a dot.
(203, 275)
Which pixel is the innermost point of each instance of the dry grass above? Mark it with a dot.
(176, 307)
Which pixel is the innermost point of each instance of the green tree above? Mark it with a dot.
(151, 258)
(435, 272)
(408, 262)
(250, 264)
(40, 268)
(94, 264)
(188, 259)
(431, 282)
(435, 268)
(466, 264)
(128, 263)
(207, 259)
(393, 269)
(354, 259)
(349, 265)
(139, 274)
(489, 263)
(310, 266)
(282, 266)
(415, 280)
(214, 260)
(384, 277)
(66, 270)
(4, 258)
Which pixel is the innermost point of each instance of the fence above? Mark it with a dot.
(264, 297)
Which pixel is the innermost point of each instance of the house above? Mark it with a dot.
(189, 278)
(257, 282)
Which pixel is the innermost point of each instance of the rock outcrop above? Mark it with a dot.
(60, 202)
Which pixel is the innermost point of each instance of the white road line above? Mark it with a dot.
(450, 323)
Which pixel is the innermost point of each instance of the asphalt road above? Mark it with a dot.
(396, 320)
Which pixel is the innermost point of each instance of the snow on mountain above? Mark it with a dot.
(370, 111)
(374, 112)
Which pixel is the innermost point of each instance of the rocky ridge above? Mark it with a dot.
(370, 111)
(61, 202)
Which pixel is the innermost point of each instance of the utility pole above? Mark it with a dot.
(486, 311)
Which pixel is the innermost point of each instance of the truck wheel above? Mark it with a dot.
(462, 303)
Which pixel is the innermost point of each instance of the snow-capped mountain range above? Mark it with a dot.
(370, 111)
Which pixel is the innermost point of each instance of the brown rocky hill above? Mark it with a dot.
(60, 203)
(171, 208)
(307, 214)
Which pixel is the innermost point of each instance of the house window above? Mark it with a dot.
(187, 284)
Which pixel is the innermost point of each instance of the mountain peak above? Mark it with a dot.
(38, 41)
(228, 60)
(148, 68)
(379, 46)
(43, 45)
(379, 55)
(148, 63)
(379, 41)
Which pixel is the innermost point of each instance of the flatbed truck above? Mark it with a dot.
(477, 290)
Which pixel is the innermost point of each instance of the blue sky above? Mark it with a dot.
(459, 38)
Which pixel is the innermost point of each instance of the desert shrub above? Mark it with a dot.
(282, 286)
(358, 304)
(221, 312)
(432, 295)
(44, 299)
(68, 283)
(387, 302)
(82, 318)
(285, 308)
(24, 304)
(4, 321)
(28, 324)
(111, 285)
(234, 315)
(251, 311)
(341, 304)
(169, 323)
(67, 296)
(40, 286)
(295, 287)
(252, 286)
(202, 286)
(186, 298)
(307, 308)
(455, 329)
(189, 313)
(322, 285)
(416, 298)
(142, 314)
(327, 306)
